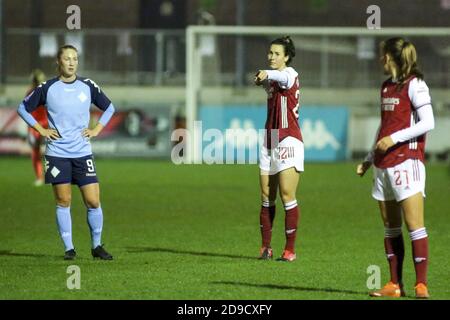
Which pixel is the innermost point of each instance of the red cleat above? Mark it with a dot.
(288, 256)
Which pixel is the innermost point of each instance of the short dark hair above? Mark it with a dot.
(288, 45)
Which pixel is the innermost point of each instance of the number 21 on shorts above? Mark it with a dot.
(401, 176)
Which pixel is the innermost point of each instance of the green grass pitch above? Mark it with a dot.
(192, 232)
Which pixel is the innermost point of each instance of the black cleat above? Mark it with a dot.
(70, 254)
(100, 252)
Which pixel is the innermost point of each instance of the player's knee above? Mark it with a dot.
(287, 196)
(93, 204)
(265, 194)
(64, 201)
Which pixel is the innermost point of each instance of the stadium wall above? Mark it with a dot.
(361, 101)
(362, 104)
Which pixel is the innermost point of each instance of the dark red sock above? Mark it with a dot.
(37, 164)
(290, 225)
(266, 217)
(420, 255)
(395, 252)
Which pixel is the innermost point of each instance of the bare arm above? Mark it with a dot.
(368, 160)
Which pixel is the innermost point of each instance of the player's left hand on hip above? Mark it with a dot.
(384, 144)
(88, 133)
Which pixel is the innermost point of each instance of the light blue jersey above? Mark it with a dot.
(68, 110)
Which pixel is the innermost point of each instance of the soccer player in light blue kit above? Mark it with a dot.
(68, 156)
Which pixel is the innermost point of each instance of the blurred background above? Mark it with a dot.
(136, 50)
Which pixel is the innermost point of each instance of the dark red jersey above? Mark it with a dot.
(282, 112)
(397, 113)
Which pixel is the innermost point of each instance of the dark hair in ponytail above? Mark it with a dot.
(405, 57)
(288, 45)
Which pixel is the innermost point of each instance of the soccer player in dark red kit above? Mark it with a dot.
(281, 156)
(34, 138)
(398, 158)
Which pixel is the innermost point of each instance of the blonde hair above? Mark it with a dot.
(37, 77)
(404, 55)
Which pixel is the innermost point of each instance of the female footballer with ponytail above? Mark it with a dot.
(281, 157)
(398, 158)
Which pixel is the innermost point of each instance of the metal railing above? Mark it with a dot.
(326, 57)
(113, 56)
